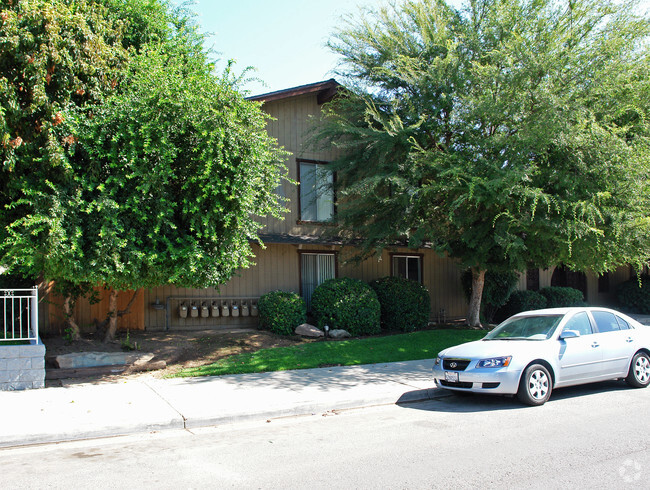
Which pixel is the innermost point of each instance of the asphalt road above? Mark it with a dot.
(587, 437)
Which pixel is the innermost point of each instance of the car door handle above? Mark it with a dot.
(629, 339)
(595, 344)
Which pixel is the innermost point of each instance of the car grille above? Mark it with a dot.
(455, 364)
(460, 384)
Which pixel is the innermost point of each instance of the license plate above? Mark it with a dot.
(451, 377)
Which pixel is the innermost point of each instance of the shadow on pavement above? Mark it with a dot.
(466, 402)
(413, 374)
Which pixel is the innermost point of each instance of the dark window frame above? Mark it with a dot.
(604, 283)
(532, 279)
(316, 252)
(419, 256)
(301, 221)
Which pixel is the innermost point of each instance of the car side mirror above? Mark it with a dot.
(569, 334)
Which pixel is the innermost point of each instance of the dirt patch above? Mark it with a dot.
(179, 350)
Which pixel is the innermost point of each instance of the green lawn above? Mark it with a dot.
(391, 348)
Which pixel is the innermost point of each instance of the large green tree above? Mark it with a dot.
(157, 180)
(507, 134)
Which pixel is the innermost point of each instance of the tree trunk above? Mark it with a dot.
(474, 315)
(112, 316)
(68, 307)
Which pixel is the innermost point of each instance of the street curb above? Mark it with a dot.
(82, 412)
(181, 422)
(308, 408)
(34, 439)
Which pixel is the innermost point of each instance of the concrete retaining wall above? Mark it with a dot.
(22, 367)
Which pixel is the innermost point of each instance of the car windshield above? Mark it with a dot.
(539, 327)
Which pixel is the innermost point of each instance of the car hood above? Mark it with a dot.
(494, 348)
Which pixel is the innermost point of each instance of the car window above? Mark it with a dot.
(605, 321)
(622, 323)
(537, 327)
(579, 323)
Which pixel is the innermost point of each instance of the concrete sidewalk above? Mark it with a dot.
(148, 404)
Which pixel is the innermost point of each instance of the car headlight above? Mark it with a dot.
(494, 362)
(437, 361)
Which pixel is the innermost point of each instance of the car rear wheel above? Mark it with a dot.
(535, 386)
(639, 375)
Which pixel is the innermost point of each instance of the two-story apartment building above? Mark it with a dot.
(300, 252)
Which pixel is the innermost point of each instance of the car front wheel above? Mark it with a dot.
(535, 386)
(639, 375)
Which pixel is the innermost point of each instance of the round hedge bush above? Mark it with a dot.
(635, 298)
(281, 312)
(521, 301)
(559, 297)
(348, 304)
(405, 304)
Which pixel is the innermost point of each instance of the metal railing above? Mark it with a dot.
(18, 314)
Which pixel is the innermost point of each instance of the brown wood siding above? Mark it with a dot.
(86, 314)
(276, 267)
(292, 120)
(440, 275)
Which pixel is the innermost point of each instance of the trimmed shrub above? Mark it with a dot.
(497, 289)
(281, 312)
(635, 298)
(405, 304)
(558, 297)
(347, 303)
(521, 301)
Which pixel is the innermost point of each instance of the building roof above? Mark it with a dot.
(286, 238)
(325, 90)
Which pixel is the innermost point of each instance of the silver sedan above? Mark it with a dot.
(534, 352)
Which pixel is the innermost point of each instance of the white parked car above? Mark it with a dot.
(534, 352)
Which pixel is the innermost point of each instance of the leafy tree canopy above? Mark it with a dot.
(507, 133)
(126, 161)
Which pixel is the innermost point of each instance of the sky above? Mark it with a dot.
(285, 40)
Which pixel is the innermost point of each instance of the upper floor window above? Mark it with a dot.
(316, 191)
(407, 266)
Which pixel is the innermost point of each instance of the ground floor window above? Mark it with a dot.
(315, 268)
(603, 282)
(407, 266)
(532, 279)
(564, 277)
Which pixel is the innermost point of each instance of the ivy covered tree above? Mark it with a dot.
(507, 134)
(155, 176)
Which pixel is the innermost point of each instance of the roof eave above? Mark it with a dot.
(325, 91)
